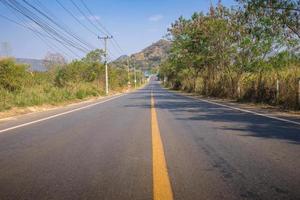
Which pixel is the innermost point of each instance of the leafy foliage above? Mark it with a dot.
(232, 52)
(284, 14)
(78, 71)
(12, 75)
(95, 56)
(62, 82)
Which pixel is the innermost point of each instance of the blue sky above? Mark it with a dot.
(135, 24)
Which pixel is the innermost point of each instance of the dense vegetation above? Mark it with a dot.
(250, 52)
(61, 82)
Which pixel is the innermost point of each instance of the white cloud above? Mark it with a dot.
(155, 18)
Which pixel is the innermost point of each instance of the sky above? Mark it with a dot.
(134, 24)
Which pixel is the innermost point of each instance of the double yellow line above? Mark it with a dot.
(161, 183)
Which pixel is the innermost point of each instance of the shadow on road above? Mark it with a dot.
(248, 124)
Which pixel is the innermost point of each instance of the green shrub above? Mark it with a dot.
(77, 80)
(12, 76)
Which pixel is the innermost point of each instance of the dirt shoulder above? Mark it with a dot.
(19, 111)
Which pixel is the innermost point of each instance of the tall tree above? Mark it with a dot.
(284, 13)
(94, 56)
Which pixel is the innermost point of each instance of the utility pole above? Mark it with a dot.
(299, 92)
(105, 56)
(134, 74)
(128, 73)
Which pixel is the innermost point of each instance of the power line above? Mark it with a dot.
(57, 24)
(78, 21)
(115, 43)
(48, 11)
(87, 8)
(90, 21)
(75, 18)
(86, 17)
(44, 38)
(38, 34)
(41, 5)
(55, 31)
(48, 28)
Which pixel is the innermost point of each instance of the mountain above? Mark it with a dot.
(121, 58)
(34, 64)
(148, 58)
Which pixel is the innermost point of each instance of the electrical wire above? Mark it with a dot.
(48, 28)
(115, 43)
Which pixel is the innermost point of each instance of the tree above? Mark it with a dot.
(12, 75)
(285, 14)
(95, 56)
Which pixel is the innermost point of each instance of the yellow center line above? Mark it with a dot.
(161, 183)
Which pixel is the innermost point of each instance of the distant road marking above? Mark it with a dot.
(60, 114)
(246, 111)
(161, 183)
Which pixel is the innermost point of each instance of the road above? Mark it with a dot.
(149, 144)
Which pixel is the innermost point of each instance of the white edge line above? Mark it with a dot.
(244, 110)
(60, 114)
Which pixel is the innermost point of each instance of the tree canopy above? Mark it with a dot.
(218, 52)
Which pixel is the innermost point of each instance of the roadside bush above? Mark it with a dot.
(77, 80)
(238, 53)
(78, 71)
(12, 76)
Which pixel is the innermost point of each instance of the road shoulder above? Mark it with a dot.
(261, 109)
(19, 112)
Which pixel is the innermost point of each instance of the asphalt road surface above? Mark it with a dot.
(149, 144)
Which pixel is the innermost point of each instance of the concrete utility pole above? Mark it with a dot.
(134, 74)
(277, 90)
(128, 73)
(105, 56)
(299, 91)
(141, 77)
